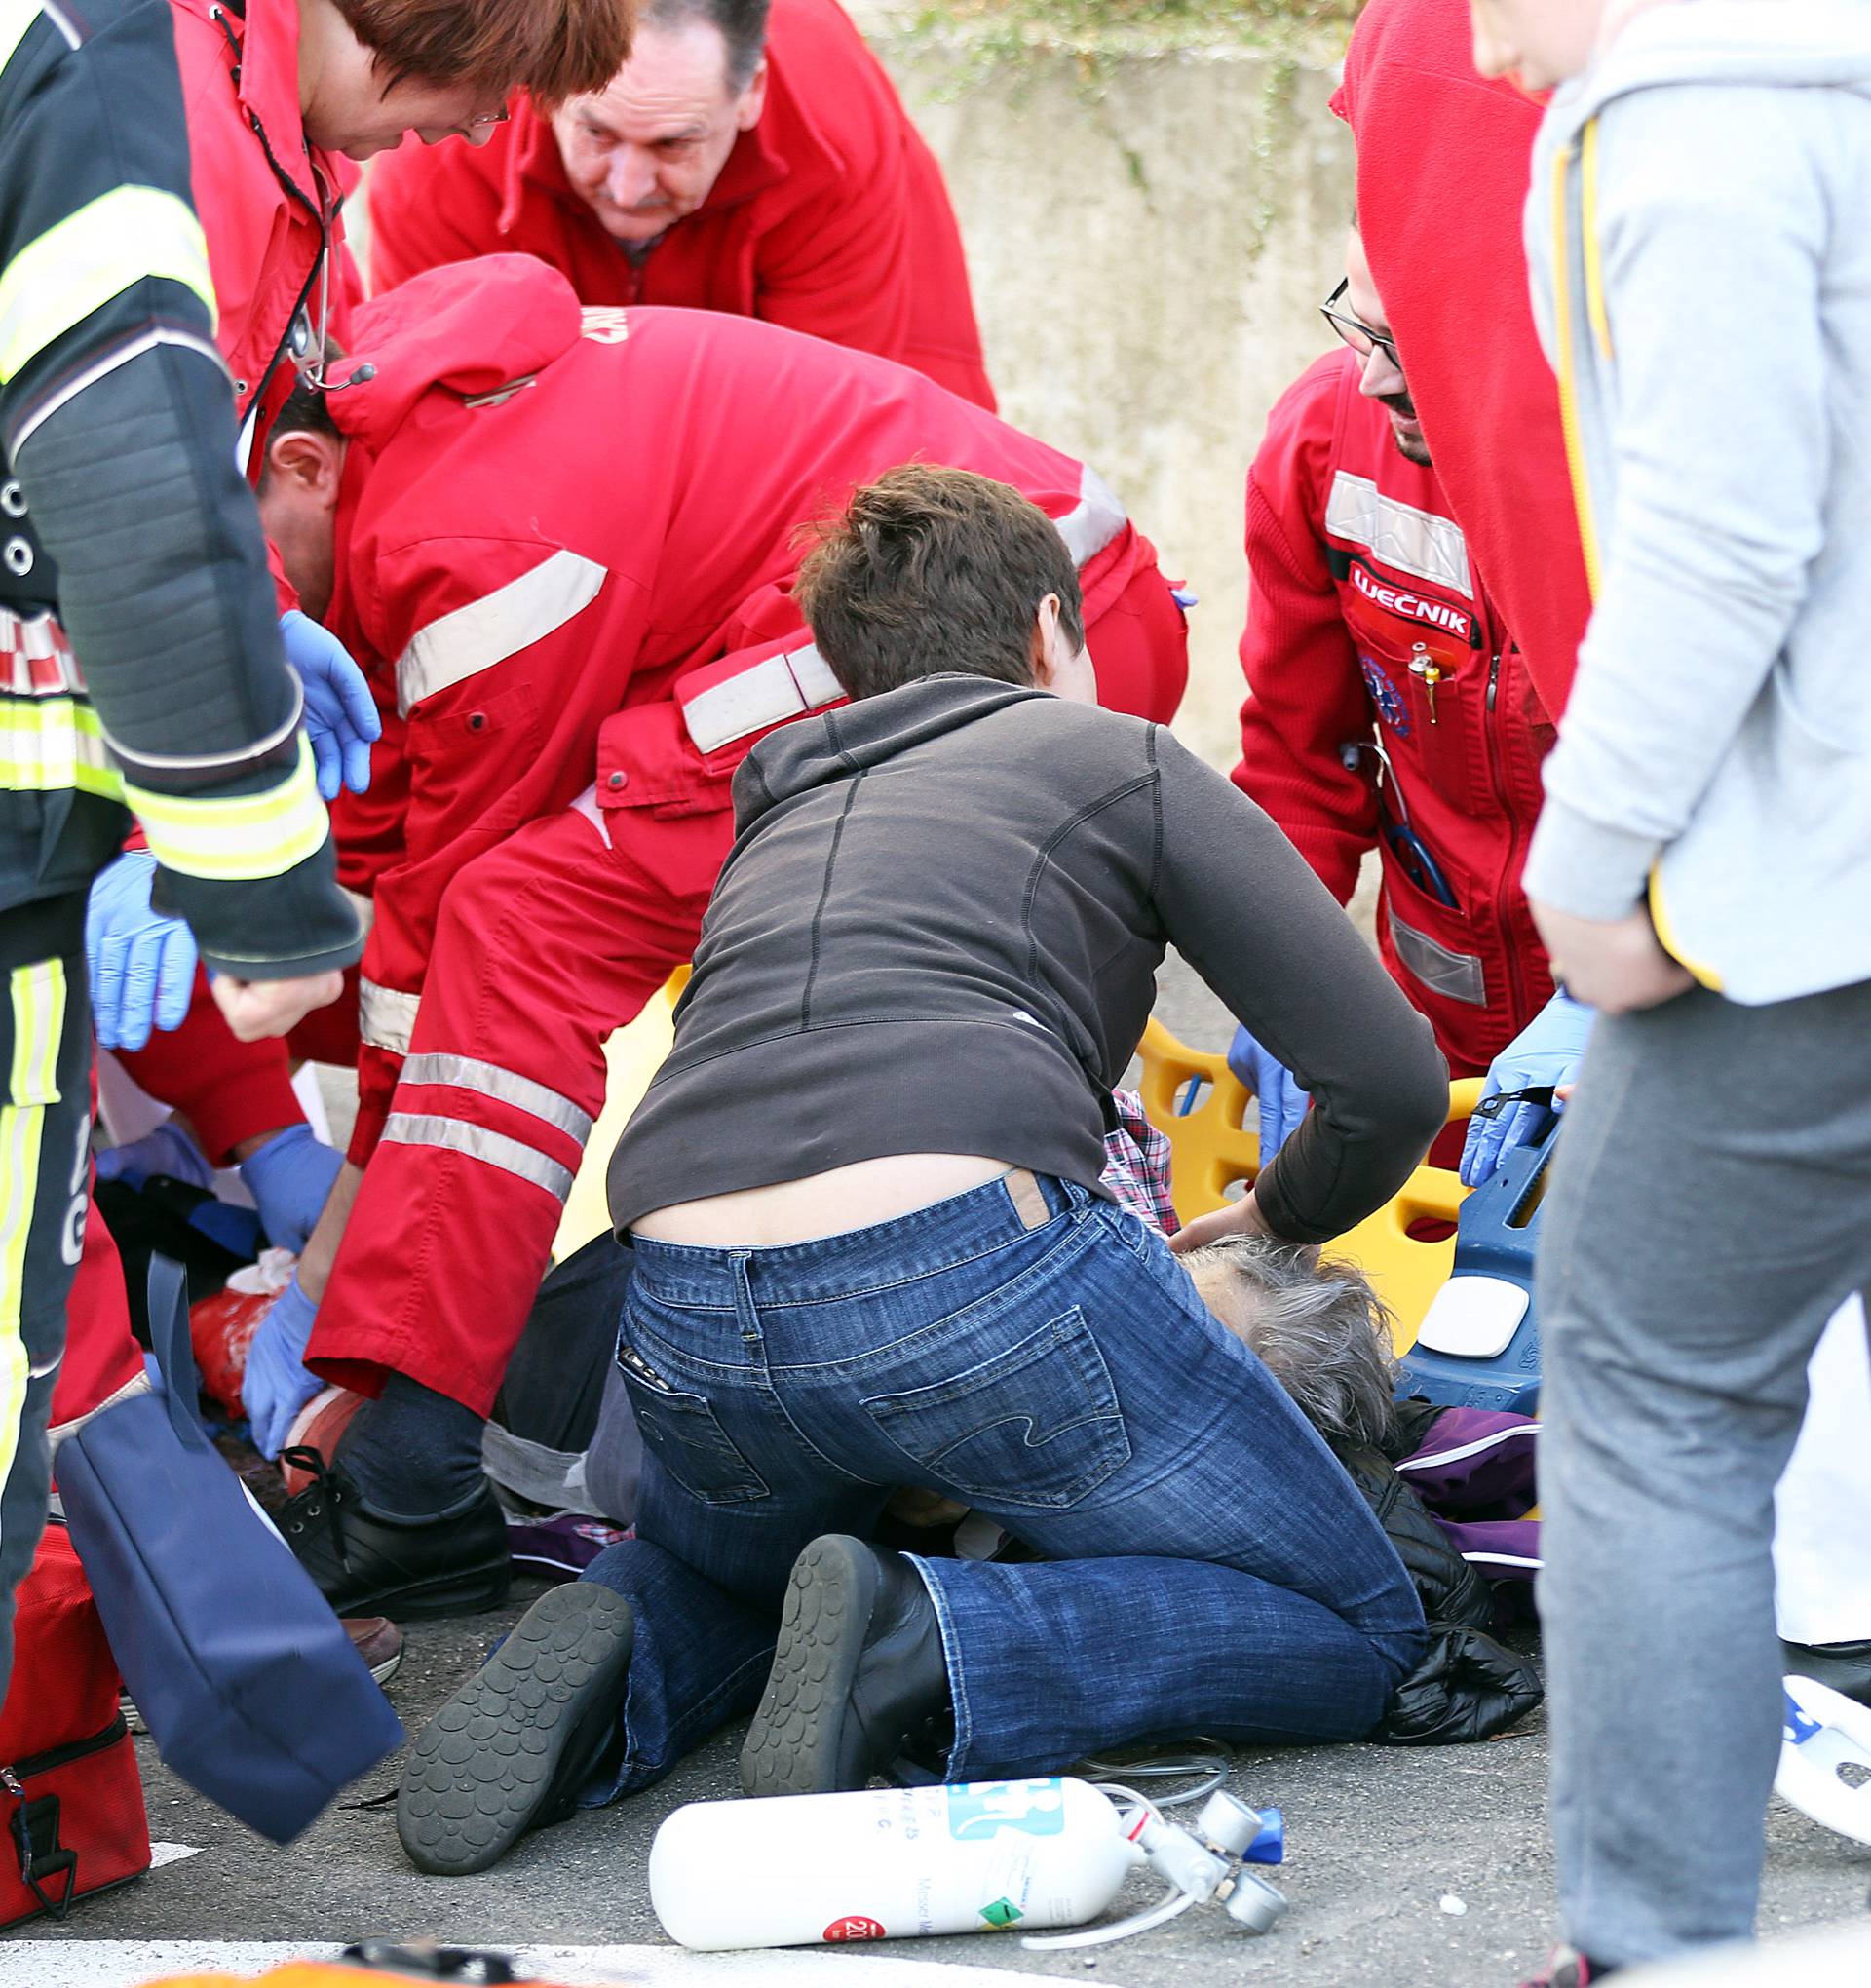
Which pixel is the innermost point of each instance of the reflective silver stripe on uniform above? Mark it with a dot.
(122, 354)
(1457, 976)
(1094, 520)
(763, 694)
(386, 1016)
(470, 1073)
(406, 1128)
(1399, 534)
(469, 639)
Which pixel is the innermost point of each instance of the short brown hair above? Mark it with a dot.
(553, 49)
(930, 571)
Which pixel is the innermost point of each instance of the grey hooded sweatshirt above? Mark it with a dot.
(1700, 237)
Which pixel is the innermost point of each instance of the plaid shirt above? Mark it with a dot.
(1136, 1165)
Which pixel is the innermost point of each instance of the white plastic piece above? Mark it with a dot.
(1176, 1855)
(1473, 1317)
(804, 1870)
(1825, 1730)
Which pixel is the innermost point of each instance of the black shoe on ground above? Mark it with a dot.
(367, 1563)
(510, 1751)
(857, 1678)
(1843, 1667)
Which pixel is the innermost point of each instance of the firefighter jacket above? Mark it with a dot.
(831, 215)
(1388, 707)
(139, 649)
(566, 542)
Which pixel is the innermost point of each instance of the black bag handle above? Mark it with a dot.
(175, 1351)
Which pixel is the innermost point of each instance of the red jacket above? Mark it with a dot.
(1442, 171)
(1359, 572)
(267, 204)
(829, 217)
(569, 539)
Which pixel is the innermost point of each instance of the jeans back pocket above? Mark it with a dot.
(686, 1435)
(1037, 1427)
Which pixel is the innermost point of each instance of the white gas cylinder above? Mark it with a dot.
(801, 1870)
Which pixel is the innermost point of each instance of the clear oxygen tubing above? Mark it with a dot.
(1171, 1905)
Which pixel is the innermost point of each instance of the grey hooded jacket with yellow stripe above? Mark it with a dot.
(128, 537)
(1701, 270)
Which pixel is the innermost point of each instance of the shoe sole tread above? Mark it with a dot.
(481, 1768)
(791, 1747)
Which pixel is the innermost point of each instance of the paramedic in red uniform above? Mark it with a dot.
(737, 163)
(569, 539)
(1387, 707)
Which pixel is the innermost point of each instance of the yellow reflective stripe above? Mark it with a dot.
(50, 742)
(38, 1025)
(91, 256)
(1568, 374)
(39, 1001)
(17, 17)
(1667, 934)
(236, 838)
(1595, 259)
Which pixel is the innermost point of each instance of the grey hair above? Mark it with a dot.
(1318, 1327)
(742, 25)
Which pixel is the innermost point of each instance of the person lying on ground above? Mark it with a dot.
(582, 656)
(931, 953)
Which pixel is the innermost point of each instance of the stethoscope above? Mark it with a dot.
(1412, 853)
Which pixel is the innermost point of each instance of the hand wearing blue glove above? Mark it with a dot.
(341, 717)
(1546, 1052)
(1282, 1102)
(167, 1149)
(277, 1383)
(290, 1179)
(141, 965)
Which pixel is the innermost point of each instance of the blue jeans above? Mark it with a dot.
(1210, 1567)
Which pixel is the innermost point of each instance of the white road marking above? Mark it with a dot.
(160, 1854)
(131, 1962)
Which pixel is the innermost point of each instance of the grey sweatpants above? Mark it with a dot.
(1710, 1208)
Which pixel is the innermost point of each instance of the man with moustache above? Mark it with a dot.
(1389, 708)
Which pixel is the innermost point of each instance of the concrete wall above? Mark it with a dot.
(1148, 267)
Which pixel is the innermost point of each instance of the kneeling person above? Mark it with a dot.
(930, 954)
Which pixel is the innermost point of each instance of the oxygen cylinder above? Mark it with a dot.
(804, 1870)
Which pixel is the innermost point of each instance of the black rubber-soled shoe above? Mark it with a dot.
(858, 1676)
(510, 1749)
(367, 1563)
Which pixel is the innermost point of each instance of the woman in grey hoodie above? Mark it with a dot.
(1701, 271)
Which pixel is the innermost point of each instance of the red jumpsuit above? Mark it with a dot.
(571, 539)
(1368, 624)
(1442, 167)
(831, 215)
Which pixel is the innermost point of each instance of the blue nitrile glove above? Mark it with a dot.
(277, 1383)
(1546, 1052)
(166, 1150)
(290, 1179)
(340, 714)
(1283, 1104)
(141, 965)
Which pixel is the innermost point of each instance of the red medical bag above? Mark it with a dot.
(71, 1801)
